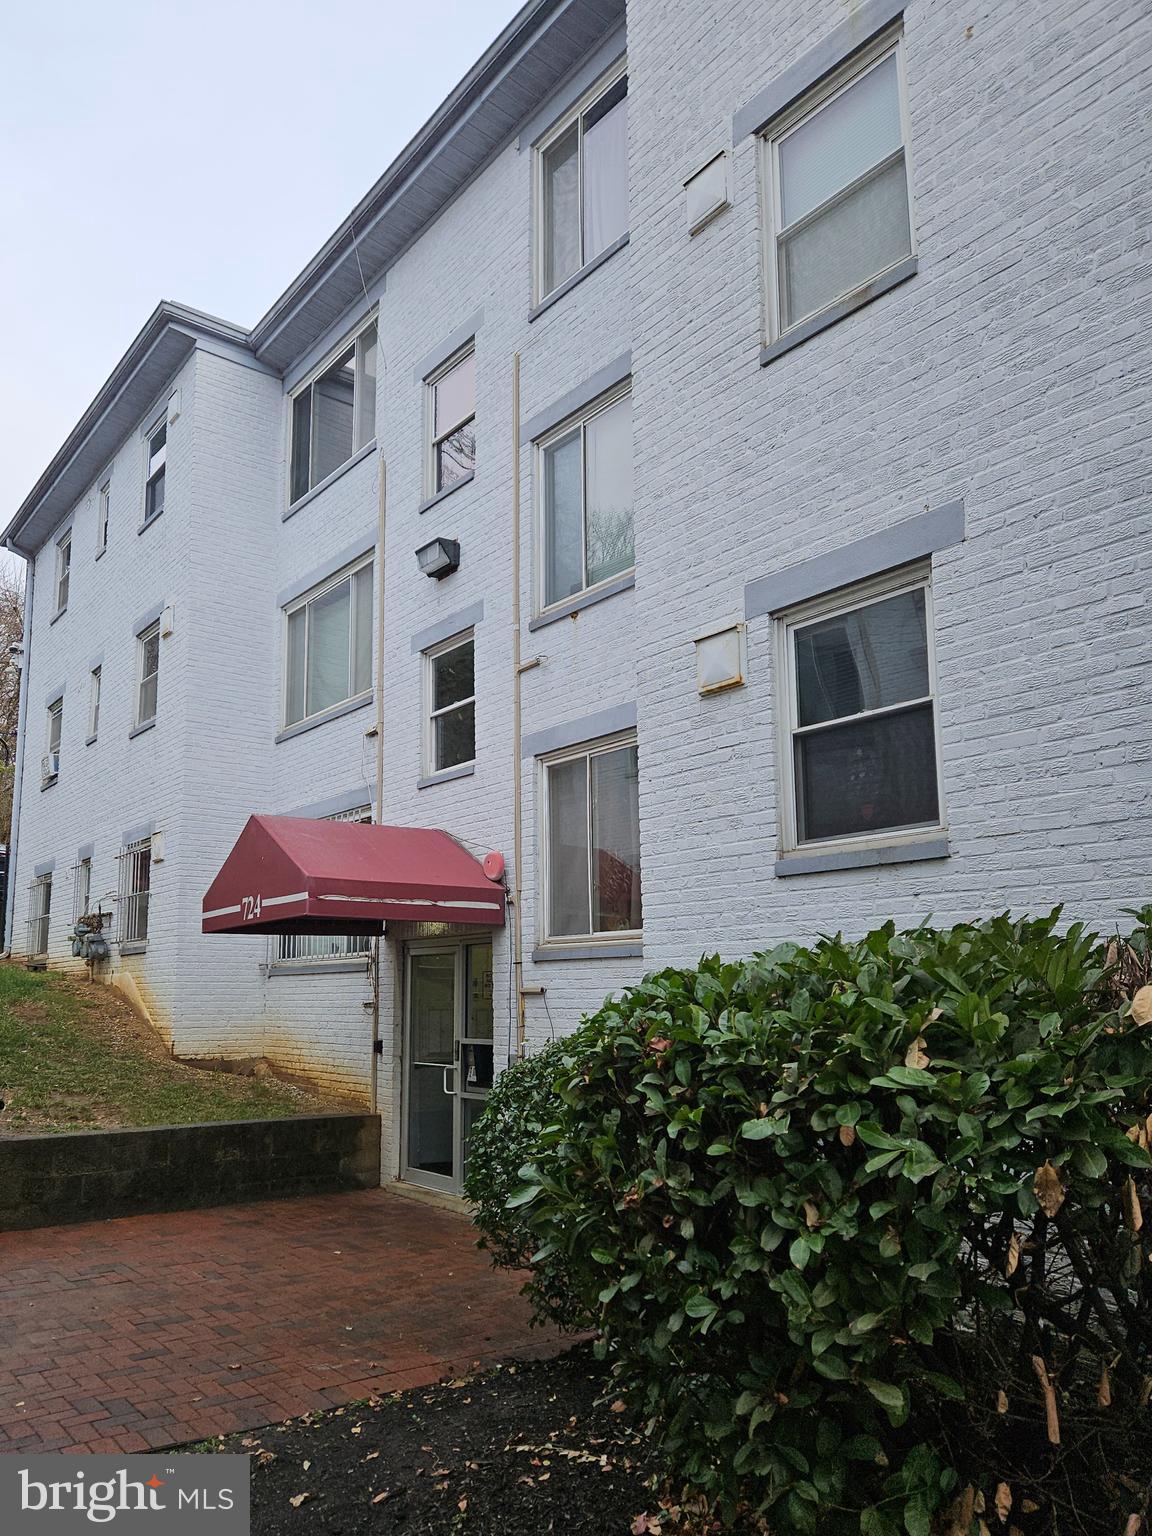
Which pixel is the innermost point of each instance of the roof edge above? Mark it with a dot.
(168, 314)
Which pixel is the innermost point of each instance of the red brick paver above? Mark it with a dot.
(155, 1330)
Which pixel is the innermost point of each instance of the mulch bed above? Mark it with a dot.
(527, 1449)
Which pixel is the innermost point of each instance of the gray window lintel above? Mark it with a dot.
(146, 620)
(453, 624)
(913, 539)
(356, 550)
(577, 398)
(137, 834)
(859, 28)
(573, 733)
(452, 343)
(359, 794)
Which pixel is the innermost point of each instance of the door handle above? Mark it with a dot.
(446, 1087)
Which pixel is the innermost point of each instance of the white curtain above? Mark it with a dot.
(606, 180)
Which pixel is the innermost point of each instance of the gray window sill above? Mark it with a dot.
(150, 522)
(446, 775)
(91, 741)
(838, 311)
(624, 949)
(800, 863)
(59, 614)
(133, 949)
(138, 730)
(100, 553)
(361, 453)
(578, 277)
(352, 965)
(434, 501)
(337, 711)
(622, 583)
(48, 783)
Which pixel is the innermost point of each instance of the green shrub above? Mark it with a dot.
(860, 1225)
(523, 1103)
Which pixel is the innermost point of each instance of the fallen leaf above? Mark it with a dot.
(811, 1214)
(1133, 1213)
(1141, 1009)
(372, 1455)
(619, 1406)
(1104, 1389)
(847, 1135)
(916, 1055)
(1003, 1501)
(298, 1498)
(234, 1367)
(462, 1504)
(1050, 1410)
(1001, 1401)
(639, 1526)
(380, 1497)
(1013, 1259)
(307, 1464)
(1133, 1526)
(1048, 1189)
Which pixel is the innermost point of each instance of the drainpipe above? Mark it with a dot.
(21, 733)
(381, 516)
(517, 672)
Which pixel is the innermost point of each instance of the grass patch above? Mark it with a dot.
(74, 1056)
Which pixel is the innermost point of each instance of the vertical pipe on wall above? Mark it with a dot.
(381, 518)
(517, 809)
(21, 734)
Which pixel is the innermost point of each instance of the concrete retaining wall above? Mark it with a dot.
(52, 1179)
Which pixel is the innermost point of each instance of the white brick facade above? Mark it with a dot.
(1009, 374)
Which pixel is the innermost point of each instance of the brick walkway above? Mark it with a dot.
(156, 1330)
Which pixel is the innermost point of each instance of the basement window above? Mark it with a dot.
(310, 947)
(135, 891)
(39, 915)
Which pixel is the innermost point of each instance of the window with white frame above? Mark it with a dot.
(135, 890)
(334, 413)
(147, 673)
(450, 695)
(582, 183)
(591, 825)
(862, 757)
(157, 469)
(39, 914)
(585, 488)
(50, 766)
(452, 421)
(63, 570)
(103, 512)
(836, 188)
(327, 946)
(94, 702)
(328, 645)
(81, 888)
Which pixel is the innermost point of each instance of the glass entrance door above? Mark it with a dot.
(449, 1057)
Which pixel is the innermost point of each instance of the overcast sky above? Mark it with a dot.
(200, 150)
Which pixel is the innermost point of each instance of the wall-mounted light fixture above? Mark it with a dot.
(721, 660)
(439, 558)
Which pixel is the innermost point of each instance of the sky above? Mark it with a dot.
(200, 150)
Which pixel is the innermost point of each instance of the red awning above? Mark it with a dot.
(289, 875)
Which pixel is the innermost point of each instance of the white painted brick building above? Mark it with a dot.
(943, 410)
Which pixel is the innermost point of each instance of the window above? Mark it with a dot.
(452, 418)
(837, 189)
(327, 946)
(103, 508)
(592, 841)
(861, 758)
(94, 703)
(157, 465)
(334, 413)
(450, 691)
(586, 488)
(81, 889)
(51, 764)
(39, 914)
(582, 189)
(63, 570)
(329, 645)
(148, 667)
(135, 891)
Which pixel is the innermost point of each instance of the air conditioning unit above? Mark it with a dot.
(49, 766)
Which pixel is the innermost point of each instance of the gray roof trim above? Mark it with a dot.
(153, 356)
(538, 49)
